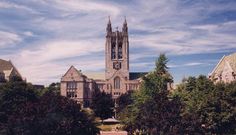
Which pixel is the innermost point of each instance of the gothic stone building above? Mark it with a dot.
(7, 71)
(225, 70)
(116, 80)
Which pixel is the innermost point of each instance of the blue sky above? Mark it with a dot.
(44, 37)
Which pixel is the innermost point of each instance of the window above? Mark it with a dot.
(120, 51)
(117, 93)
(71, 88)
(117, 82)
(71, 94)
(71, 85)
(86, 93)
(86, 85)
(100, 86)
(113, 51)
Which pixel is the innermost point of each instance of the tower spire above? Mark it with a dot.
(125, 22)
(125, 26)
(109, 28)
(109, 20)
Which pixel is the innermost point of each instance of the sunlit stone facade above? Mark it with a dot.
(7, 71)
(225, 70)
(116, 79)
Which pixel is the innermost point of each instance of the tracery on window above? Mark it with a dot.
(71, 88)
(113, 51)
(71, 85)
(117, 83)
(120, 51)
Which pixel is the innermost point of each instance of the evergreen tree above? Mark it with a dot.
(151, 111)
(102, 105)
(124, 100)
(161, 65)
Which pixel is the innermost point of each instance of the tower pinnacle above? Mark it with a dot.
(109, 28)
(125, 26)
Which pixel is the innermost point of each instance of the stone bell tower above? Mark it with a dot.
(117, 56)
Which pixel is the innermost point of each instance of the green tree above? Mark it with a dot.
(13, 97)
(160, 115)
(102, 105)
(151, 105)
(53, 87)
(213, 106)
(161, 65)
(124, 100)
(218, 112)
(155, 81)
(22, 111)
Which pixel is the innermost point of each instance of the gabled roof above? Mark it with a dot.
(231, 59)
(5, 65)
(7, 68)
(73, 68)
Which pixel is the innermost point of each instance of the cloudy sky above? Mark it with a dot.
(44, 37)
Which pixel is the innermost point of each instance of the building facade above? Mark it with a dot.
(116, 79)
(8, 71)
(225, 70)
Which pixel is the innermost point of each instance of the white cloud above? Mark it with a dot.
(28, 33)
(55, 50)
(71, 28)
(16, 6)
(193, 40)
(46, 62)
(8, 39)
(187, 64)
(86, 6)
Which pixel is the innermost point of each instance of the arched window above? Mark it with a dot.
(120, 51)
(117, 82)
(113, 51)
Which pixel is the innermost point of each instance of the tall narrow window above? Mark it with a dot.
(120, 51)
(71, 88)
(71, 85)
(117, 82)
(113, 51)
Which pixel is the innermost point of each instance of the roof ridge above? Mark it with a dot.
(218, 64)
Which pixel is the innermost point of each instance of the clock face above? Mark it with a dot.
(117, 65)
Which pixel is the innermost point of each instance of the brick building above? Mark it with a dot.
(225, 70)
(116, 79)
(7, 71)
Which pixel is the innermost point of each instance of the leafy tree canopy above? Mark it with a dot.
(212, 104)
(22, 111)
(102, 105)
